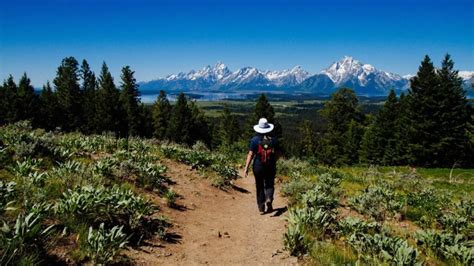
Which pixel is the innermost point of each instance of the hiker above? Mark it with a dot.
(264, 151)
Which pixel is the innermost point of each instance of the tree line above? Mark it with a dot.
(79, 101)
(431, 125)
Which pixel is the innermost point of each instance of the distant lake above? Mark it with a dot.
(150, 97)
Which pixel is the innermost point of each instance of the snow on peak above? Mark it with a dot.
(465, 75)
(292, 76)
(349, 69)
(345, 68)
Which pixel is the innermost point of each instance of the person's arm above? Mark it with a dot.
(247, 163)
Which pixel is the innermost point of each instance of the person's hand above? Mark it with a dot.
(246, 172)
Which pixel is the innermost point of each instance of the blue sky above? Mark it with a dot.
(160, 37)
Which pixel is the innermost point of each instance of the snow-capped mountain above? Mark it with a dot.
(220, 77)
(290, 77)
(468, 80)
(348, 72)
(363, 78)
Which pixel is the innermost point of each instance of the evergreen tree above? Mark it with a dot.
(109, 114)
(48, 108)
(26, 100)
(160, 115)
(146, 121)
(381, 145)
(129, 98)
(352, 142)
(369, 150)
(454, 117)
(179, 123)
(9, 101)
(229, 131)
(307, 139)
(88, 87)
(423, 116)
(69, 94)
(2, 107)
(338, 142)
(264, 109)
(198, 125)
(403, 156)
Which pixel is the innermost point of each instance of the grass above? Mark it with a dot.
(461, 183)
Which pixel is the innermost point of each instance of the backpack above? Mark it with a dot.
(266, 150)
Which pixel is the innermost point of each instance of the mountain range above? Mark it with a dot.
(365, 79)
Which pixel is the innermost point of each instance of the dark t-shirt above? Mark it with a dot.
(254, 148)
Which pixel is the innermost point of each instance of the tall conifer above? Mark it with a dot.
(9, 100)
(108, 110)
(26, 100)
(161, 114)
(69, 94)
(179, 124)
(88, 87)
(129, 98)
(48, 108)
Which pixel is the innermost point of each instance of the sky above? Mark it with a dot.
(156, 38)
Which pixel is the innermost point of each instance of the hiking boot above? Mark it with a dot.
(261, 209)
(269, 207)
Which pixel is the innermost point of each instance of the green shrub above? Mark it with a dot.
(383, 247)
(351, 225)
(7, 194)
(23, 241)
(295, 239)
(377, 201)
(113, 206)
(103, 245)
(171, 197)
(449, 246)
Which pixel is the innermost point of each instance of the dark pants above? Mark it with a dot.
(264, 181)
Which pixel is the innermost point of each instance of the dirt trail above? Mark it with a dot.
(219, 227)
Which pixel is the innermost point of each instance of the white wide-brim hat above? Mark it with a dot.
(263, 126)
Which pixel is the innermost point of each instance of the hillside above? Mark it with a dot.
(99, 199)
(76, 199)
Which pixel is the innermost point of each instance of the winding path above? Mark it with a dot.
(219, 227)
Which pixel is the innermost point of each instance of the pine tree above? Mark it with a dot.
(9, 101)
(26, 100)
(2, 107)
(263, 109)
(352, 142)
(69, 94)
(129, 98)
(48, 108)
(381, 145)
(179, 123)
(423, 115)
(403, 156)
(454, 115)
(198, 125)
(109, 116)
(338, 143)
(229, 131)
(88, 87)
(161, 114)
(146, 121)
(369, 150)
